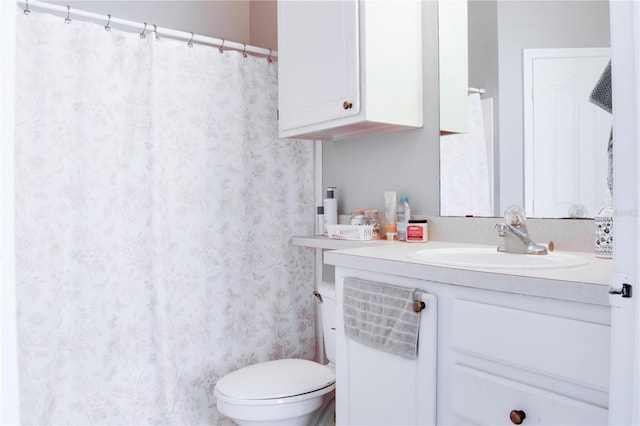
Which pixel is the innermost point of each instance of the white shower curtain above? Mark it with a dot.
(154, 211)
(465, 187)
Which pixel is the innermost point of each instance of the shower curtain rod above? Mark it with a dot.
(144, 28)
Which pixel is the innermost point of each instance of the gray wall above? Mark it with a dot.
(407, 162)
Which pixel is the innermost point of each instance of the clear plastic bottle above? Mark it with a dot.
(403, 214)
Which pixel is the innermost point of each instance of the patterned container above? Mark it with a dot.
(604, 232)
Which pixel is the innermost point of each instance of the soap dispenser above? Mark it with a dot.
(604, 229)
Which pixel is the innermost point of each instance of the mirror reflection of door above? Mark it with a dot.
(566, 136)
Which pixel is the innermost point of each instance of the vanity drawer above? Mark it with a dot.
(568, 349)
(482, 398)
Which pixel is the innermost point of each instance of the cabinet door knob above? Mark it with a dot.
(347, 105)
(517, 416)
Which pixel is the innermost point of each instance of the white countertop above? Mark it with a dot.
(587, 284)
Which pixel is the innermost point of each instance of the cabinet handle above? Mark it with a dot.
(347, 105)
(517, 416)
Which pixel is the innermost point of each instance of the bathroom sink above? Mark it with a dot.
(490, 258)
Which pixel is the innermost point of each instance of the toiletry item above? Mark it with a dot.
(330, 206)
(390, 214)
(371, 219)
(403, 214)
(417, 231)
(357, 217)
(320, 220)
(344, 219)
(604, 229)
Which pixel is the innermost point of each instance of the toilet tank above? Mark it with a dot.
(328, 314)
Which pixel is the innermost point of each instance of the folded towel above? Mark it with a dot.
(381, 316)
(601, 95)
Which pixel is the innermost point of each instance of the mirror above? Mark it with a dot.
(505, 39)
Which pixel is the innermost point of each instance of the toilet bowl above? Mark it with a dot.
(285, 391)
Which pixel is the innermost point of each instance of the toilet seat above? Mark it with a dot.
(290, 379)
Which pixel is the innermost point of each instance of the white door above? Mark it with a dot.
(566, 136)
(9, 395)
(624, 388)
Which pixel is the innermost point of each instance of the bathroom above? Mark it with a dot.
(362, 183)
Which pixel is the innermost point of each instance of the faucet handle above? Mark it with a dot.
(515, 215)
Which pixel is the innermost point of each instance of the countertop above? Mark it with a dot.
(586, 284)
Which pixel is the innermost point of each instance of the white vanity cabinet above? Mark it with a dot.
(526, 361)
(501, 358)
(349, 68)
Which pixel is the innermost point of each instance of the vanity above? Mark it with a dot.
(508, 346)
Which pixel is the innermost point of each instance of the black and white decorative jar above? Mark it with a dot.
(604, 231)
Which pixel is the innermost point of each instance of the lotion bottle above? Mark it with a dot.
(390, 214)
(330, 206)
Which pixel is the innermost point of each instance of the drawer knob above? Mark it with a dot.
(517, 416)
(347, 105)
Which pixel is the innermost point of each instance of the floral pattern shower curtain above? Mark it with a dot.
(155, 206)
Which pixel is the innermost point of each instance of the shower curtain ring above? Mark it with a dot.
(143, 30)
(221, 46)
(67, 20)
(190, 44)
(244, 51)
(155, 30)
(26, 10)
(107, 27)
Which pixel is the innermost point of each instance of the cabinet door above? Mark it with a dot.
(454, 67)
(545, 344)
(318, 63)
(379, 388)
(486, 399)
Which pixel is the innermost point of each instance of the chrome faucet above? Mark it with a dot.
(515, 232)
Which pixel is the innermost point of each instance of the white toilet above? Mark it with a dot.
(285, 391)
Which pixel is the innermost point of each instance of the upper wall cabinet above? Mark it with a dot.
(349, 68)
(454, 73)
